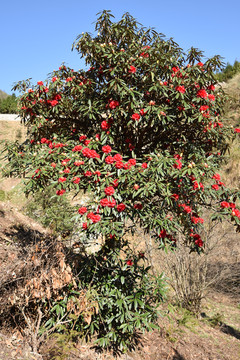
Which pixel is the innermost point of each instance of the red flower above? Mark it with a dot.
(104, 202)
(144, 165)
(60, 192)
(113, 104)
(186, 208)
(237, 130)
(105, 125)
(109, 190)
(204, 107)
(88, 173)
(109, 160)
(62, 179)
(215, 187)
(119, 165)
(115, 183)
(82, 210)
(200, 64)
(76, 180)
(196, 220)
(54, 79)
(84, 226)
(175, 69)
(211, 97)
(53, 164)
(199, 242)
(236, 212)
(112, 204)
(181, 108)
(225, 204)
(202, 94)
(142, 112)
(90, 153)
(211, 87)
(163, 234)
(40, 83)
(106, 149)
(216, 177)
(175, 196)
(145, 55)
(178, 164)
(117, 157)
(121, 207)
(132, 161)
(52, 102)
(129, 262)
(132, 69)
(94, 217)
(135, 117)
(127, 166)
(180, 88)
(138, 206)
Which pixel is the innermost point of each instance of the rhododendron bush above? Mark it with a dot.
(140, 130)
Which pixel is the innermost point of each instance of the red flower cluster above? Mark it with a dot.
(109, 190)
(82, 210)
(178, 164)
(197, 220)
(113, 104)
(77, 148)
(129, 262)
(107, 203)
(94, 217)
(135, 117)
(105, 125)
(90, 153)
(106, 149)
(121, 207)
(132, 69)
(60, 192)
(202, 94)
(138, 206)
(181, 89)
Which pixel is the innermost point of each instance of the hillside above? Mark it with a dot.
(3, 95)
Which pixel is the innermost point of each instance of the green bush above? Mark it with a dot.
(8, 105)
(51, 211)
(126, 298)
(228, 72)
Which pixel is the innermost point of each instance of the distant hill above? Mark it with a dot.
(3, 95)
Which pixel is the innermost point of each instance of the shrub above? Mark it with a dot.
(126, 298)
(8, 105)
(140, 132)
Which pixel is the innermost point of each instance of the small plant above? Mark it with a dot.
(51, 211)
(126, 299)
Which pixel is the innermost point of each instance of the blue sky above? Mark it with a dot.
(36, 36)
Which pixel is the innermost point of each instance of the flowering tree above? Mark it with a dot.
(140, 131)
